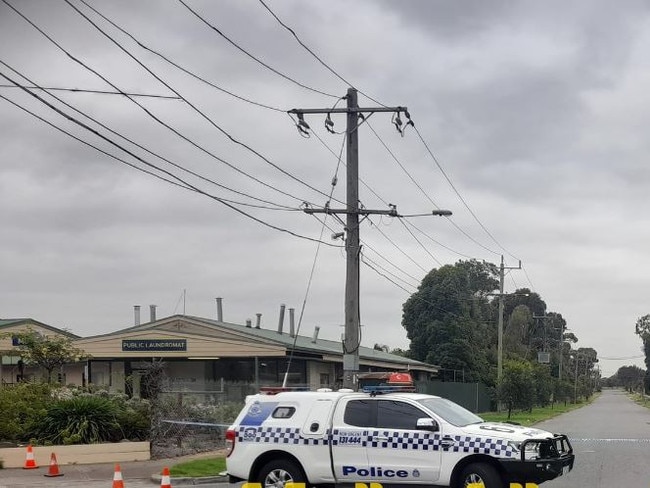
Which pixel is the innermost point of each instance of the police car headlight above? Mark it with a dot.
(515, 445)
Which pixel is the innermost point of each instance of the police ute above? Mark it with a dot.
(385, 436)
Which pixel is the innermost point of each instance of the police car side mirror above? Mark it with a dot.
(427, 423)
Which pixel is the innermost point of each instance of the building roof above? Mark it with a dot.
(7, 323)
(299, 343)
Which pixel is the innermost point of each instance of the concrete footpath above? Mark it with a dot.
(136, 474)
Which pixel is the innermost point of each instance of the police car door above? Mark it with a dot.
(350, 426)
(398, 451)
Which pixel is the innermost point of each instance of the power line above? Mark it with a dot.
(364, 260)
(276, 206)
(318, 58)
(627, 358)
(92, 145)
(196, 109)
(444, 173)
(138, 168)
(147, 111)
(436, 241)
(175, 177)
(417, 297)
(528, 278)
(397, 247)
(414, 286)
(398, 268)
(368, 187)
(401, 220)
(178, 66)
(100, 92)
(256, 59)
(392, 154)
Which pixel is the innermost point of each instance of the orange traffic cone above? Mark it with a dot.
(29, 459)
(165, 481)
(118, 482)
(54, 468)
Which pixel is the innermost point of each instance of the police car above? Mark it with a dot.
(332, 437)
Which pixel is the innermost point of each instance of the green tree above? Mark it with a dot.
(517, 388)
(563, 391)
(449, 320)
(48, 352)
(516, 332)
(582, 365)
(630, 378)
(642, 329)
(398, 351)
(543, 382)
(524, 296)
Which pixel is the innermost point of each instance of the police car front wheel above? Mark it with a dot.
(481, 474)
(276, 474)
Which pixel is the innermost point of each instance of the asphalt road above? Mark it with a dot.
(611, 441)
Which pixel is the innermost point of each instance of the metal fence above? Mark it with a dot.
(186, 421)
(475, 397)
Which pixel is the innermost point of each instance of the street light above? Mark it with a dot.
(576, 357)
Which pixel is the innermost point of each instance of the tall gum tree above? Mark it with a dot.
(449, 320)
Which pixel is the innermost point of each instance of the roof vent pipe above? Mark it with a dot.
(219, 309)
(292, 328)
(248, 323)
(136, 314)
(316, 330)
(258, 322)
(152, 312)
(281, 321)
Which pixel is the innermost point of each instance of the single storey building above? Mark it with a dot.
(203, 355)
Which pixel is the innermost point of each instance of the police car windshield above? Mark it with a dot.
(450, 411)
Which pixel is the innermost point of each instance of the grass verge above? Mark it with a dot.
(199, 468)
(639, 399)
(538, 414)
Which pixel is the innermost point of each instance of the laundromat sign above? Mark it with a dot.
(157, 345)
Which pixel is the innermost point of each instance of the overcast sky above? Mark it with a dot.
(537, 112)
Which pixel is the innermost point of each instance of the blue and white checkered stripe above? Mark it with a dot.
(478, 445)
(277, 435)
(419, 441)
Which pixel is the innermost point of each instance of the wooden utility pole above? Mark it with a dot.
(502, 269)
(351, 338)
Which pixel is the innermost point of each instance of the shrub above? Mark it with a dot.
(41, 413)
(79, 420)
(21, 406)
(134, 418)
(133, 415)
